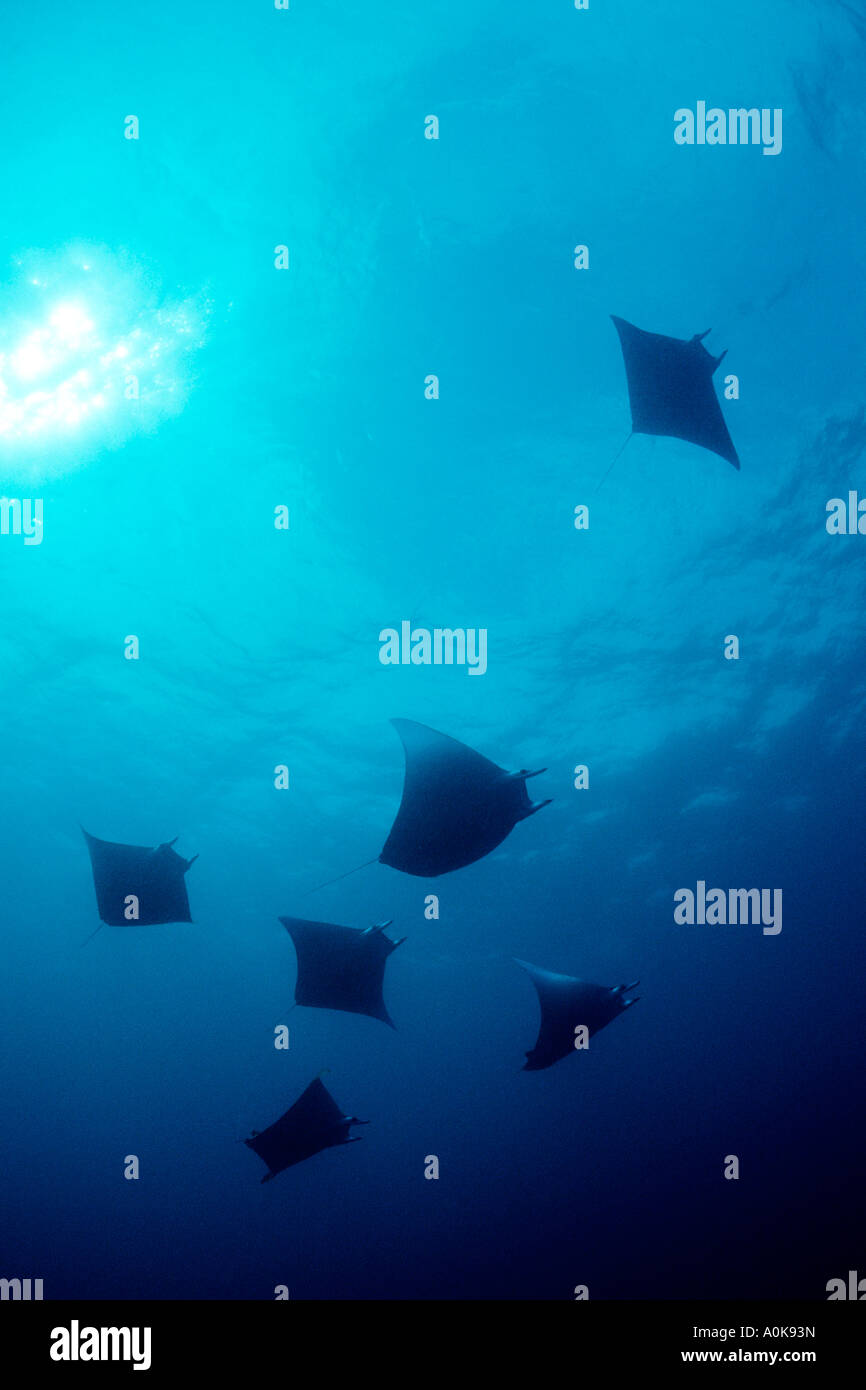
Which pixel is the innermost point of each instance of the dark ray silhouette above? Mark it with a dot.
(341, 967)
(139, 886)
(566, 1004)
(670, 388)
(313, 1123)
(457, 805)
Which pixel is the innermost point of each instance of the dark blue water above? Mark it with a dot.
(154, 259)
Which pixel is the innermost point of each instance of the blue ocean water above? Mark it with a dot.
(154, 258)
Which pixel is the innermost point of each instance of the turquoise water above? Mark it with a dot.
(304, 388)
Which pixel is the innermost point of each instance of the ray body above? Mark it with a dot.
(341, 967)
(568, 1003)
(154, 877)
(315, 1122)
(671, 391)
(456, 807)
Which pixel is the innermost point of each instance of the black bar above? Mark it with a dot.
(243, 1338)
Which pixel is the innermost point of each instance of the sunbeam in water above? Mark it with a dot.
(90, 353)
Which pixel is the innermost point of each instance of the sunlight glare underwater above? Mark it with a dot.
(90, 353)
